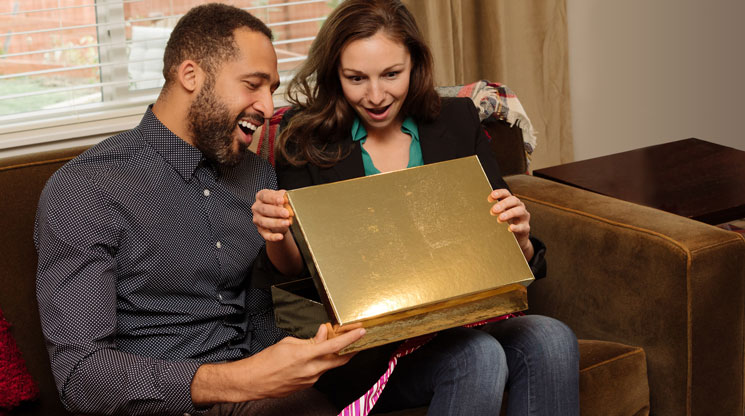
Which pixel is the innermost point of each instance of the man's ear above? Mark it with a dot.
(190, 75)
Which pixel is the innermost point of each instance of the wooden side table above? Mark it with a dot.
(693, 178)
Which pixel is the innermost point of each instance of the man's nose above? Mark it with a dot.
(265, 104)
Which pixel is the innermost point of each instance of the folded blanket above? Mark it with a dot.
(497, 100)
(16, 384)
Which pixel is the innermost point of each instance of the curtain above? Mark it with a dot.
(520, 43)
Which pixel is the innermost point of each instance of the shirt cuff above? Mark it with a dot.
(176, 382)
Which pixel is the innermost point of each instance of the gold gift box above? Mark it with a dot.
(405, 253)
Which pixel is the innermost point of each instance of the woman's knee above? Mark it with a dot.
(477, 353)
(539, 336)
(556, 335)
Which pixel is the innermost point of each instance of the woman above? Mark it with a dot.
(365, 103)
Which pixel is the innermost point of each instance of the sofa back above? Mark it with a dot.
(21, 181)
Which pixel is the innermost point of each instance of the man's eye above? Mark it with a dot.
(250, 85)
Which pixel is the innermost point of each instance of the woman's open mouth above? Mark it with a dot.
(378, 113)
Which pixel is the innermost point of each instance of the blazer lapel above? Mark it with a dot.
(437, 142)
(347, 168)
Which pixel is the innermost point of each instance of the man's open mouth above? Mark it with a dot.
(247, 127)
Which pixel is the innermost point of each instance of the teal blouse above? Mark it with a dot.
(359, 134)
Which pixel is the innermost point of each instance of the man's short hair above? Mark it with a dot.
(205, 35)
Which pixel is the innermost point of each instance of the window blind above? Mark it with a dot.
(61, 57)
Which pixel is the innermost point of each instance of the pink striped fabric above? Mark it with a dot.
(363, 406)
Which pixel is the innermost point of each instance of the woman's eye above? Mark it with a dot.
(391, 74)
(355, 78)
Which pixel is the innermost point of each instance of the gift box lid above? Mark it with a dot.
(394, 242)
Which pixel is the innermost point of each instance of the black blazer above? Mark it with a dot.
(456, 133)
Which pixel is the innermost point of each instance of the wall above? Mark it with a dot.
(646, 72)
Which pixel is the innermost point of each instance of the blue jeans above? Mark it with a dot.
(466, 371)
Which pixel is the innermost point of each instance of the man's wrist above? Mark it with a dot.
(212, 384)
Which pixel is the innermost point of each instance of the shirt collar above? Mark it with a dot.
(182, 156)
(408, 126)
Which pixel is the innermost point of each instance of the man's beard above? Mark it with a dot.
(213, 128)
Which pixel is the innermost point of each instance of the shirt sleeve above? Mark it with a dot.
(76, 237)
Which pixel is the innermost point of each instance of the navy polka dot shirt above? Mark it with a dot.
(145, 253)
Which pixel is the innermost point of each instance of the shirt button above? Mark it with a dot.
(219, 296)
(218, 244)
(206, 192)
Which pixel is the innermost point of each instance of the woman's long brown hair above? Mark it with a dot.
(318, 133)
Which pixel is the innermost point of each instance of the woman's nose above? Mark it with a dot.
(375, 94)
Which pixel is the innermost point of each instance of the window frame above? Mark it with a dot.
(120, 108)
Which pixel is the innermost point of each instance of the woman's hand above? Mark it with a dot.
(508, 208)
(270, 216)
(273, 220)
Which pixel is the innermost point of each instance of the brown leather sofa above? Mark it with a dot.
(630, 276)
(21, 181)
(627, 273)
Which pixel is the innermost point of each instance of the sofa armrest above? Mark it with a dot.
(622, 272)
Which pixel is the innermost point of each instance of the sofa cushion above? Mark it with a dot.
(612, 379)
(21, 180)
(16, 384)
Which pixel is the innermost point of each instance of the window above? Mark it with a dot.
(72, 62)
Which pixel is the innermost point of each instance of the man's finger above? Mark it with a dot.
(335, 344)
(321, 334)
(294, 341)
(338, 330)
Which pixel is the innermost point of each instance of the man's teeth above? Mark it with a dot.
(246, 124)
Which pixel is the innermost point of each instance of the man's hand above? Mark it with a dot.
(270, 216)
(290, 365)
(510, 209)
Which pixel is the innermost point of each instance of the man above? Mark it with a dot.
(146, 243)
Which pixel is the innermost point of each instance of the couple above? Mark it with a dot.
(147, 256)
